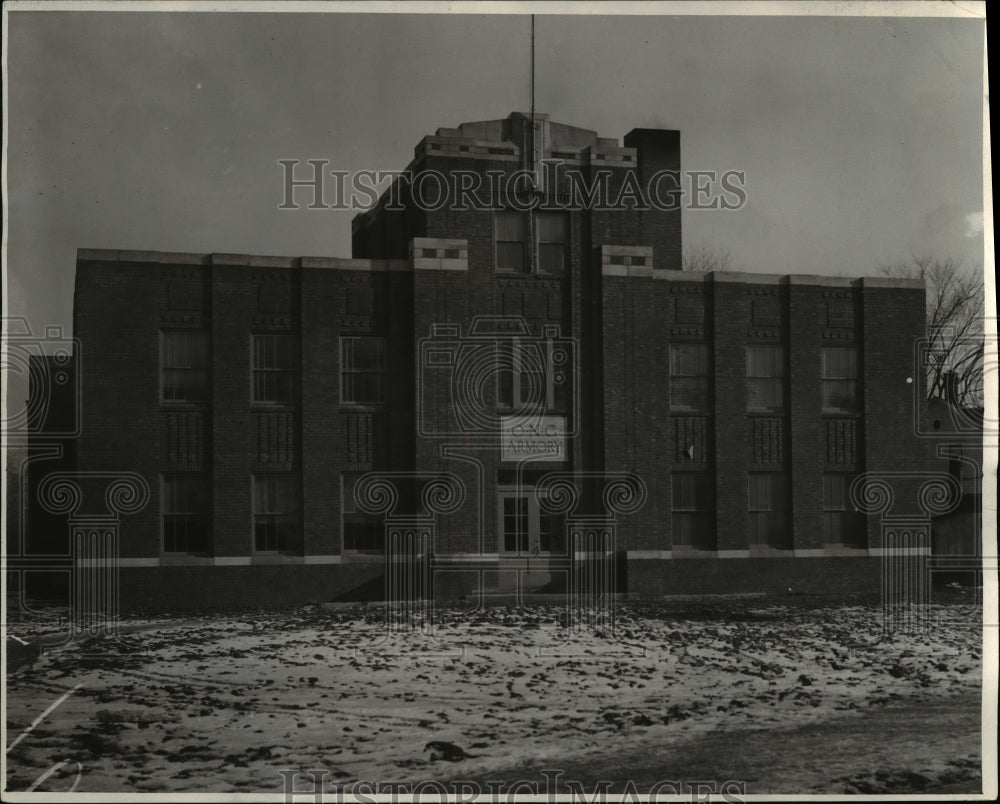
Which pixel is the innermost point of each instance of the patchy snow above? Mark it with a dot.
(221, 705)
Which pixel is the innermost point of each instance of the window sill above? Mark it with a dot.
(844, 550)
(266, 557)
(772, 552)
(684, 551)
(186, 560)
(360, 557)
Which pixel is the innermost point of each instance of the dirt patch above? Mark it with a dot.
(787, 698)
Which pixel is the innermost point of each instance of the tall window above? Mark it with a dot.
(511, 241)
(362, 370)
(534, 375)
(364, 533)
(765, 377)
(276, 520)
(184, 366)
(515, 523)
(186, 509)
(551, 228)
(769, 514)
(840, 379)
(274, 369)
(841, 523)
(689, 376)
(692, 511)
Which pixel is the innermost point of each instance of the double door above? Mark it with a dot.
(525, 528)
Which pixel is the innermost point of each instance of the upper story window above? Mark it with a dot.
(184, 366)
(513, 239)
(551, 229)
(362, 370)
(274, 369)
(689, 375)
(840, 379)
(765, 377)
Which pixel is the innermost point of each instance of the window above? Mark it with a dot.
(525, 527)
(840, 379)
(551, 242)
(841, 523)
(534, 375)
(186, 509)
(184, 366)
(768, 505)
(512, 236)
(363, 533)
(689, 376)
(362, 371)
(515, 524)
(274, 369)
(765, 377)
(692, 511)
(276, 525)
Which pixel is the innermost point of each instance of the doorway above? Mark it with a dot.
(525, 528)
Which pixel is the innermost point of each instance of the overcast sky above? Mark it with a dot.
(861, 138)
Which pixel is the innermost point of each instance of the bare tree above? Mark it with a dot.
(702, 257)
(955, 305)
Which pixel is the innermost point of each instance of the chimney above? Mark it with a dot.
(659, 151)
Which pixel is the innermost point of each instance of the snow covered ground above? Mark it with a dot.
(779, 698)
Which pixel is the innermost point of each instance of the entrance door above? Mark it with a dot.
(525, 529)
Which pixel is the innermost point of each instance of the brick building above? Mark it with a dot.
(523, 385)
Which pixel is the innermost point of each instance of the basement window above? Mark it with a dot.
(276, 513)
(692, 505)
(768, 504)
(361, 532)
(842, 524)
(185, 502)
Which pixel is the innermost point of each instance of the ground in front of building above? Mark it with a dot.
(774, 695)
